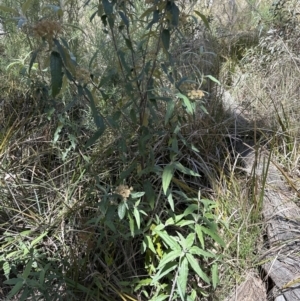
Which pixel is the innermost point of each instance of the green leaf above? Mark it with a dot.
(204, 19)
(167, 177)
(25, 6)
(8, 10)
(43, 273)
(190, 209)
(122, 210)
(197, 251)
(189, 241)
(159, 298)
(13, 281)
(6, 269)
(95, 137)
(27, 269)
(169, 267)
(33, 57)
(136, 195)
(170, 110)
(171, 201)
(165, 38)
(56, 72)
(150, 193)
(213, 79)
(15, 289)
(192, 296)
(12, 254)
(169, 74)
(124, 18)
(215, 276)
(169, 257)
(175, 14)
(182, 241)
(128, 44)
(170, 221)
(170, 241)
(185, 170)
(131, 224)
(199, 234)
(137, 217)
(65, 55)
(99, 121)
(108, 7)
(149, 243)
(183, 277)
(190, 108)
(213, 235)
(122, 57)
(195, 266)
(57, 131)
(143, 282)
(147, 12)
(125, 173)
(38, 239)
(155, 19)
(94, 14)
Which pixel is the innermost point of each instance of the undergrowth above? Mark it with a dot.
(119, 178)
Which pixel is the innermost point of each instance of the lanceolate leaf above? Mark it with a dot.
(169, 257)
(155, 19)
(137, 217)
(33, 57)
(213, 79)
(195, 266)
(99, 121)
(167, 177)
(95, 137)
(65, 55)
(215, 276)
(197, 251)
(175, 14)
(204, 19)
(185, 170)
(199, 235)
(159, 298)
(171, 201)
(56, 72)
(190, 108)
(169, 267)
(183, 277)
(149, 243)
(170, 241)
(38, 239)
(122, 210)
(124, 18)
(107, 6)
(170, 110)
(27, 269)
(8, 9)
(213, 235)
(131, 224)
(190, 240)
(15, 289)
(165, 37)
(26, 5)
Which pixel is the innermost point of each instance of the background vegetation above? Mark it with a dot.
(118, 124)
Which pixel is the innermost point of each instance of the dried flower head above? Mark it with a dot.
(47, 29)
(82, 75)
(124, 191)
(196, 94)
